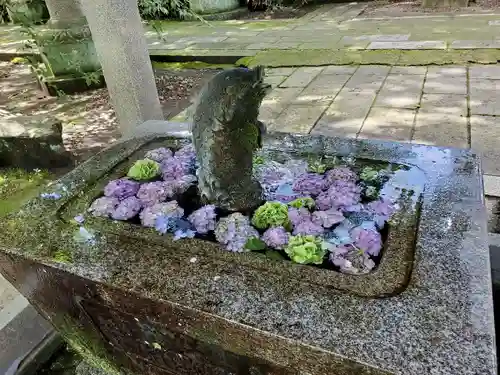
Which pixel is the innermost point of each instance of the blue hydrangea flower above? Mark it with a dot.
(51, 196)
(181, 228)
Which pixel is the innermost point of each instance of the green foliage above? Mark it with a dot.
(305, 250)
(255, 244)
(144, 169)
(302, 202)
(164, 9)
(271, 214)
(19, 61)
(316, 166)
(368, 174)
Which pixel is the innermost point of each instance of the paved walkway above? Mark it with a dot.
(445, 106)
(332, 26)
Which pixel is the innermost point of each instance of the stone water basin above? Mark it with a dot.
(393, 266)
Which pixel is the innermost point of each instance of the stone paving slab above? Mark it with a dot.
(436, 105)
(424, 44)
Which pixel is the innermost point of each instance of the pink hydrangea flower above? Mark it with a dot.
(307, 227)
(121, 188)
(154, 192)
(104, 206)
(309, 184)
(127, 209)
(159, 154)
(327, 218)
(340, 174)
(340, 195)
(170, 209)
(276, 237)
(298, 215)
(368, 240)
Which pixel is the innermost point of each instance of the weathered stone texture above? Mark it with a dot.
(32, 142)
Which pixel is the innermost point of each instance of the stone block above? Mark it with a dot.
(388, 124)
(445, 85)
(274, 81)
(154, 306)
(280, 71)
(445, 3)
(475, 44)
(441, 129)
(484, 97)
(345, 116)
(485, 133)
(363, 82)
(32, 142)
(484, 71)
(377, 38)
(298, 118)
(339, 69)
(417, 70)
(451, 104)
(446, 71)
(400, 91)
(491, 186)
(302, 77)
(421, 44)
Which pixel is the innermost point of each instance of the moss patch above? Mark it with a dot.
(189, 65)
(276, 58)
(18, 186)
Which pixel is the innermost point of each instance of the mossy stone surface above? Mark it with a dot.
(142, 299)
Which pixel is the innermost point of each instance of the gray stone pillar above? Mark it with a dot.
(122, 49)
(65, 14)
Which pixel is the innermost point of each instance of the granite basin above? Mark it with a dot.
(142, 304)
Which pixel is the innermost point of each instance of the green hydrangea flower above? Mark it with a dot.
(144, 169)
(302, 202)
(271, 214)
(305, 249)
(316, 166)
(368, 174)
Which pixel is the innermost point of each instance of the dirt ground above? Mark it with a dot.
(395, 8)
(89, 121)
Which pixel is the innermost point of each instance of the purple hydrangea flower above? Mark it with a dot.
(175, 167)
(159, 154)
(121, 188)
(104, 206)
(234, 231)
(309, 184)
(154, 192)
(340, 174)
(203, 219)
(327, 218)
(183, 183)
(127, 209)
(276, 237)
(367, 240)
(149, 214)
(350, 260)
(307, 227)
(381, 209)
(298, 215)
(342, 194)
(187, 152)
